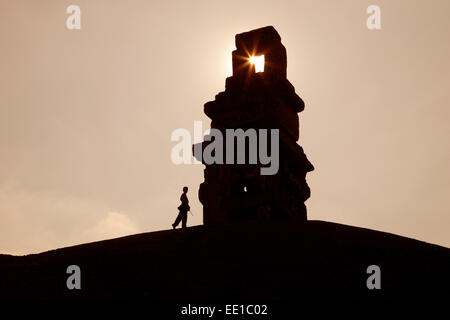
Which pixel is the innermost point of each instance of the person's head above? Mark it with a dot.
(185, 189)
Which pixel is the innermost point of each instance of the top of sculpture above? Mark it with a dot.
(263, 41)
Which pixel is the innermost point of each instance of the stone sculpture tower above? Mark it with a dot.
(259, 100)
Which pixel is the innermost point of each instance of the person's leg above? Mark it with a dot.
(184, 221)
(177, 220)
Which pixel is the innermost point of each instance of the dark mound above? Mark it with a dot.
(270, 261)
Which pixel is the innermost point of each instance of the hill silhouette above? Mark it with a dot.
(262, 261)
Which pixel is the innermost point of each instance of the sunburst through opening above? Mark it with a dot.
(258, 61)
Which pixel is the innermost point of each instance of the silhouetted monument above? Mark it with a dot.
(259, 100)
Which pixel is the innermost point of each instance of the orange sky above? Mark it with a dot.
(86, 116)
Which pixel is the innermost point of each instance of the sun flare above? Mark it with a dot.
(258, 61)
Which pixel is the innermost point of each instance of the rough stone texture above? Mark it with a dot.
(263, 100)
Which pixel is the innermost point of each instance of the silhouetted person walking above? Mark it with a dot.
(183, 208)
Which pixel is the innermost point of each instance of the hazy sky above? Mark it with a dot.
(86, 115)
